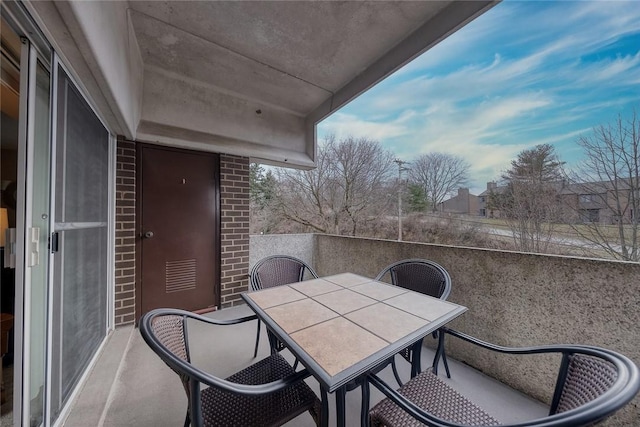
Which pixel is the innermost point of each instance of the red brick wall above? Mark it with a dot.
(125, 259)
(234, 195)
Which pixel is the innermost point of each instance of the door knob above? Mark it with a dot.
(148, 234)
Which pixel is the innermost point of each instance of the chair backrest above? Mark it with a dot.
(419, 275)
(166, 333)
(582, 378)
(279, 270)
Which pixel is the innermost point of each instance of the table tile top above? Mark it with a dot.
(348, 279)
(344, 323)
(343, 344)
(385, 321)
(424, 306)
(266, 298)
(344, 301)
(315, 287)
(300, 314)
(378, 290)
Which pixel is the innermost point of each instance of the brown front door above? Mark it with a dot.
(178, 229)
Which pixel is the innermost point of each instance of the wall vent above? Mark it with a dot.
(180, 275)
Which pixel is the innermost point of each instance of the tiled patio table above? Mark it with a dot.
(342, 326)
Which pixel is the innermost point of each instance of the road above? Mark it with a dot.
(563, 241)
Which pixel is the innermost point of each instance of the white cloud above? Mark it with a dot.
(616, 17)
(472, 81)
(614, 70)
(568, 136)
(493, 114)
(343, 125)
(480, 134)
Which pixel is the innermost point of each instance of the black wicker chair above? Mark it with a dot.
(267, 393)
(426, 277)
(592, 384)
(277, 270)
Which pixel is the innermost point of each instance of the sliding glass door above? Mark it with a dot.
(81, 239)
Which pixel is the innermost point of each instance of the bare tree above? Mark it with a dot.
(345, 191)
(530, 201)
(608, 181)
(439, 175)
(362, 169)
(303, 196)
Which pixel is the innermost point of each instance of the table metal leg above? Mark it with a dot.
(436, 360)
(340, 407)
(395, 372)
(273, 342)
(324, 414)
(255, 352)
(416, 365)
(440, 353)
(364, 408)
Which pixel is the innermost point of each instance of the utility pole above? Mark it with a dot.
(400, 170)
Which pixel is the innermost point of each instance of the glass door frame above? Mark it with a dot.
(25, 213)
(36, 140)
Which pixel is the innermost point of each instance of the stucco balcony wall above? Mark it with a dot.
(298, 245)
(514, 299)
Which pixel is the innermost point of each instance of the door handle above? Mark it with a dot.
(54, 242)
(148, 234)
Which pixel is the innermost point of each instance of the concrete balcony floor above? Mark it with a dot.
(130, 385)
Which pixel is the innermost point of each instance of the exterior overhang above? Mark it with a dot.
(246, 78)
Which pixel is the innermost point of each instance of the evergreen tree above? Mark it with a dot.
(262, 186)
(417, 199)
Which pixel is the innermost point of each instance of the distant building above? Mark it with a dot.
(484, 200)
(464, 203)
(581, 202)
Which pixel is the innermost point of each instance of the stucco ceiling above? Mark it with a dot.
(290, 54)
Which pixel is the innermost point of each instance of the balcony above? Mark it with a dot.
(513, 298)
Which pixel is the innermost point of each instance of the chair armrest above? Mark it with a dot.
(553, 348)
(250, 390)
(191, 315)
(220, 322)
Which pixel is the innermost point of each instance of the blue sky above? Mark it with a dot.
(524, 73)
